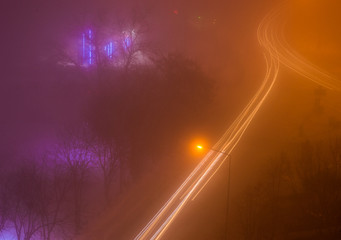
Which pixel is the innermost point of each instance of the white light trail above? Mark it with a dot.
(277, 52)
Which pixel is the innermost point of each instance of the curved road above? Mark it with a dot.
(277, 52)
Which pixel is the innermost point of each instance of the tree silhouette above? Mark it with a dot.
(74, 151)
(23, 186)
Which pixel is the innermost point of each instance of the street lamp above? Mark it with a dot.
(228, 186)
(202, 147)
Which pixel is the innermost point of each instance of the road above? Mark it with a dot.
(277, 53)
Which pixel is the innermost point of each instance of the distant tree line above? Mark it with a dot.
(134, 114)
(131, 122)
(298, 197)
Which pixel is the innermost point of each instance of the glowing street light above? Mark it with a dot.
(202, 147)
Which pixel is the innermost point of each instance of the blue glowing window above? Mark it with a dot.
(88, 48)
(109, 50)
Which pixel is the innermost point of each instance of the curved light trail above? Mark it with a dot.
(276, 43)
(277, 52)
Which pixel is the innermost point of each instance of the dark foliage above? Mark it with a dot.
(146, 111)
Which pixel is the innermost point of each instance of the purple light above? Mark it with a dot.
(8, 234)
(110, 50)
(90, 48)
(127, 42)
(129, 37)
(107, 50)
(87, 48)
(90, 55)
(83, 46)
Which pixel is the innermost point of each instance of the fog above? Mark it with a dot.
(35, 32)
(119, 124)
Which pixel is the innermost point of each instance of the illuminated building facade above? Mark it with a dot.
(111, 50)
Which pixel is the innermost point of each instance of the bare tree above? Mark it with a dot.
(4, 202)
(23, 187)
(128, 36)
(317, 180)
(74, 151)
(107, 160)
(52, 197)
(259, 215)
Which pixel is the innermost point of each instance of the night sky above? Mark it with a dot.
(46, 86)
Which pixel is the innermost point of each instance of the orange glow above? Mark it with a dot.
(211, 163)
(277, 53)
(197, 147)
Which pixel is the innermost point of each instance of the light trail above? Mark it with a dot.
(276, 42)
(212, 161)
(277, 51)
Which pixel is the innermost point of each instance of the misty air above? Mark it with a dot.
(170, 120)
